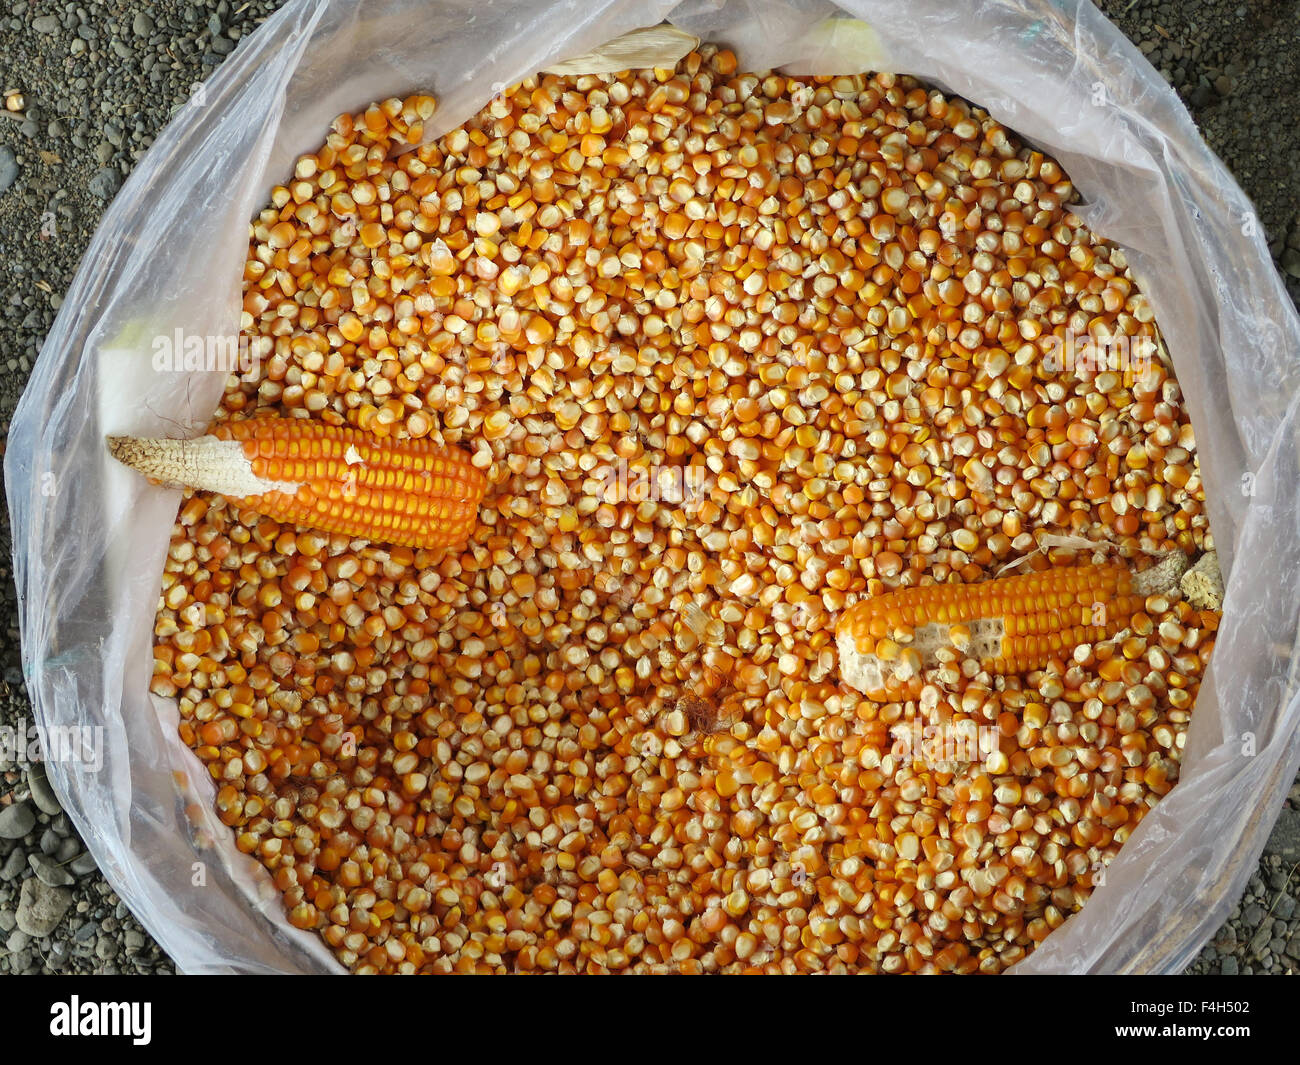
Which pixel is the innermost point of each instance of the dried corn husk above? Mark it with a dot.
(1203, 583)
(651, 46)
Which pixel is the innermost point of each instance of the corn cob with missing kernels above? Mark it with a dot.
(409, 492)
(1009, 625)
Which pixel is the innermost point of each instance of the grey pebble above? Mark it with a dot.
(105, 183)
(49, 870)
(142, 25)
(18, 940)
(42, 794)
(82, 864)
(7, 920)
(1253, 915)
(14, 864)
(49, 842)
(45, 24)
(16, 821)
(1293, 946)
(8, 167)
(41, 907)
(1229, 967)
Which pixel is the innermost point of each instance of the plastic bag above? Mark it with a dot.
(89, 538)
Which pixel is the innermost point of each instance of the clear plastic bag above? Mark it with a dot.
(89, 537)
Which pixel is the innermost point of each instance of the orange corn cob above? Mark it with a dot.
(1009, 625)
(303, 472)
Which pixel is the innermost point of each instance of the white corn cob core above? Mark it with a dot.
(927, 641)
(206, 462)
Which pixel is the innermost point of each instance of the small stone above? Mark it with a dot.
(82, 865)
(1253, 914)
(49, 842)
(142, 25)
(14, 865)
(41, 907)
(45, 24)
(8, 167)
(49, 870)
(1293, 946)
(1229, 967)
(42, 794)
(105, 183)
(18, 940)
(16, 821)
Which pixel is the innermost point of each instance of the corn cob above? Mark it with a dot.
(1009, 625)
(409, 492)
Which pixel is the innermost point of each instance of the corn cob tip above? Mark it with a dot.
(204, 462)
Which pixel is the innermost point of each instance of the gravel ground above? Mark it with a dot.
(99, 80)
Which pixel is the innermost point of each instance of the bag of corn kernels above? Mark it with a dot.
(90, 539)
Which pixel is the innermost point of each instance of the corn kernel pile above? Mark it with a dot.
(734, 351)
